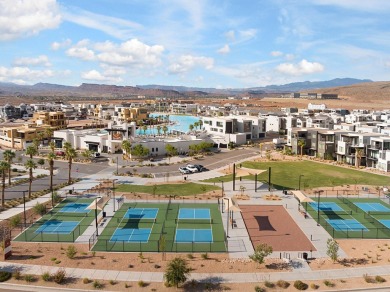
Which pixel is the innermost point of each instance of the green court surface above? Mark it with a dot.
(352, 221)
(156, 232)
(64, 223)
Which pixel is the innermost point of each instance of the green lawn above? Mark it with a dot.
(285, 175)
(163, 230)
(187, 189)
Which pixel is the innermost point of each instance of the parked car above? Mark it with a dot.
(184, 170)
(60, 153)
(199, 167)
(192, 168)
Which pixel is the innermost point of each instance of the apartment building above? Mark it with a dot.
(378, 153)
(20, 137)
(53, 119)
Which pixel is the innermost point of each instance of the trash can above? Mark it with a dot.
(104, 214)
(185, 178)
(70, 192)
(305, 256)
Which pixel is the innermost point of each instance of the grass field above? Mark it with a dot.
(84, 219)
(285, 175)
(185, 189)
(375, 229)
(162, 236)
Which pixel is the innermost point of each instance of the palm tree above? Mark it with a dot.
(52, 146)
(30, 165)
(126, 145)
(49, 133)
(191, 127)
(36, 141)
(196, 125)
(301, 143)
(144, 128)
(4, 166)
(358, 157)
(70, 154)
(165, 130)
(31, 151)
(50, 157)
(200, 124)
(158, 129)
(87, 154)
(9, 155)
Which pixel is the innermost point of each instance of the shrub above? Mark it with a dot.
(368, 279)
(112, 282)
(127, 285)
(177, 272)
(86, 281)
(380, 279)
(5, 276)
(59, 277)
(57, 262)
(53, 259)
(97, 285)
(283, 284)
(205, 256)
(141, 283)
(17, 275)
(46, 277)
(259, 289)
(261, 251)
(30, 278)
(39, 209)
(269, 284)
(329, 283)
(190, 256)
(71, 251)
(314, 286)
(299, 285)
(15, 221)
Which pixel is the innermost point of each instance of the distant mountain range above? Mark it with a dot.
(85, 90)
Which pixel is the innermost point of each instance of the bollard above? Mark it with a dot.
(311, 237)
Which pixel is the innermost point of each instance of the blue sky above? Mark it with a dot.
(223, 44)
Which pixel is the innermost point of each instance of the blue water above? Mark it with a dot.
(182, 124)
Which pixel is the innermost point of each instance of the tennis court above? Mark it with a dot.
(157, 227)
(64, 223)
(360, 218)
(346, 224)
(75, 208)
(369, 207)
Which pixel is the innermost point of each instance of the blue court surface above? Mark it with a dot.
(385, 222)
(75, 208)
(57, 226)
(368, 207)
(141, 213)
(131, 235)
(346, 225)
(326, 206)
(191, 213)
(194, 235)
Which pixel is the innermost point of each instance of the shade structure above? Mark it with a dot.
(98, 203)
(302, 198)
(232, 205)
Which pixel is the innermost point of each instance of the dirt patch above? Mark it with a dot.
(274, 226)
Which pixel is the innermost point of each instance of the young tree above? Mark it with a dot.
(358, 157)
(4, 166)
(9, 155)
(30, 165)
(171, 151)
(140, 151)
(261, 252)
(177, 272)
(126, 145)
(301, 144)
(87, 154)
(41, 162)
(70, 154)
(332, 249)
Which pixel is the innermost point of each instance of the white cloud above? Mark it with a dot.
(224, 50)
(82, 53)
(289, 57)
(23, 75)
(248, 34)
(230, 35)
(59, 45)
(21, 18)
(116, 27)
(41, 60)
(387, 64)
(303, 67)
(372, 5)
(276, 53)
(97, 76)
(187, 62)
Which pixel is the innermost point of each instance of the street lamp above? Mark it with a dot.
(117, 166)
(318, 206)
(222, 196)
(227, 216)
(96, 221)
(113, 191)
(299, 184)
(24, 208)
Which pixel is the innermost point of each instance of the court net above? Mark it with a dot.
(193, 221)
(135, 220)
(335, 213)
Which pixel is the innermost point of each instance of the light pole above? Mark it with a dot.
(227, 216)
(117, 166)
(222, 196)
(318, 206)
(24, 208)
(113, 191)
(96, 221)
(299, 184)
